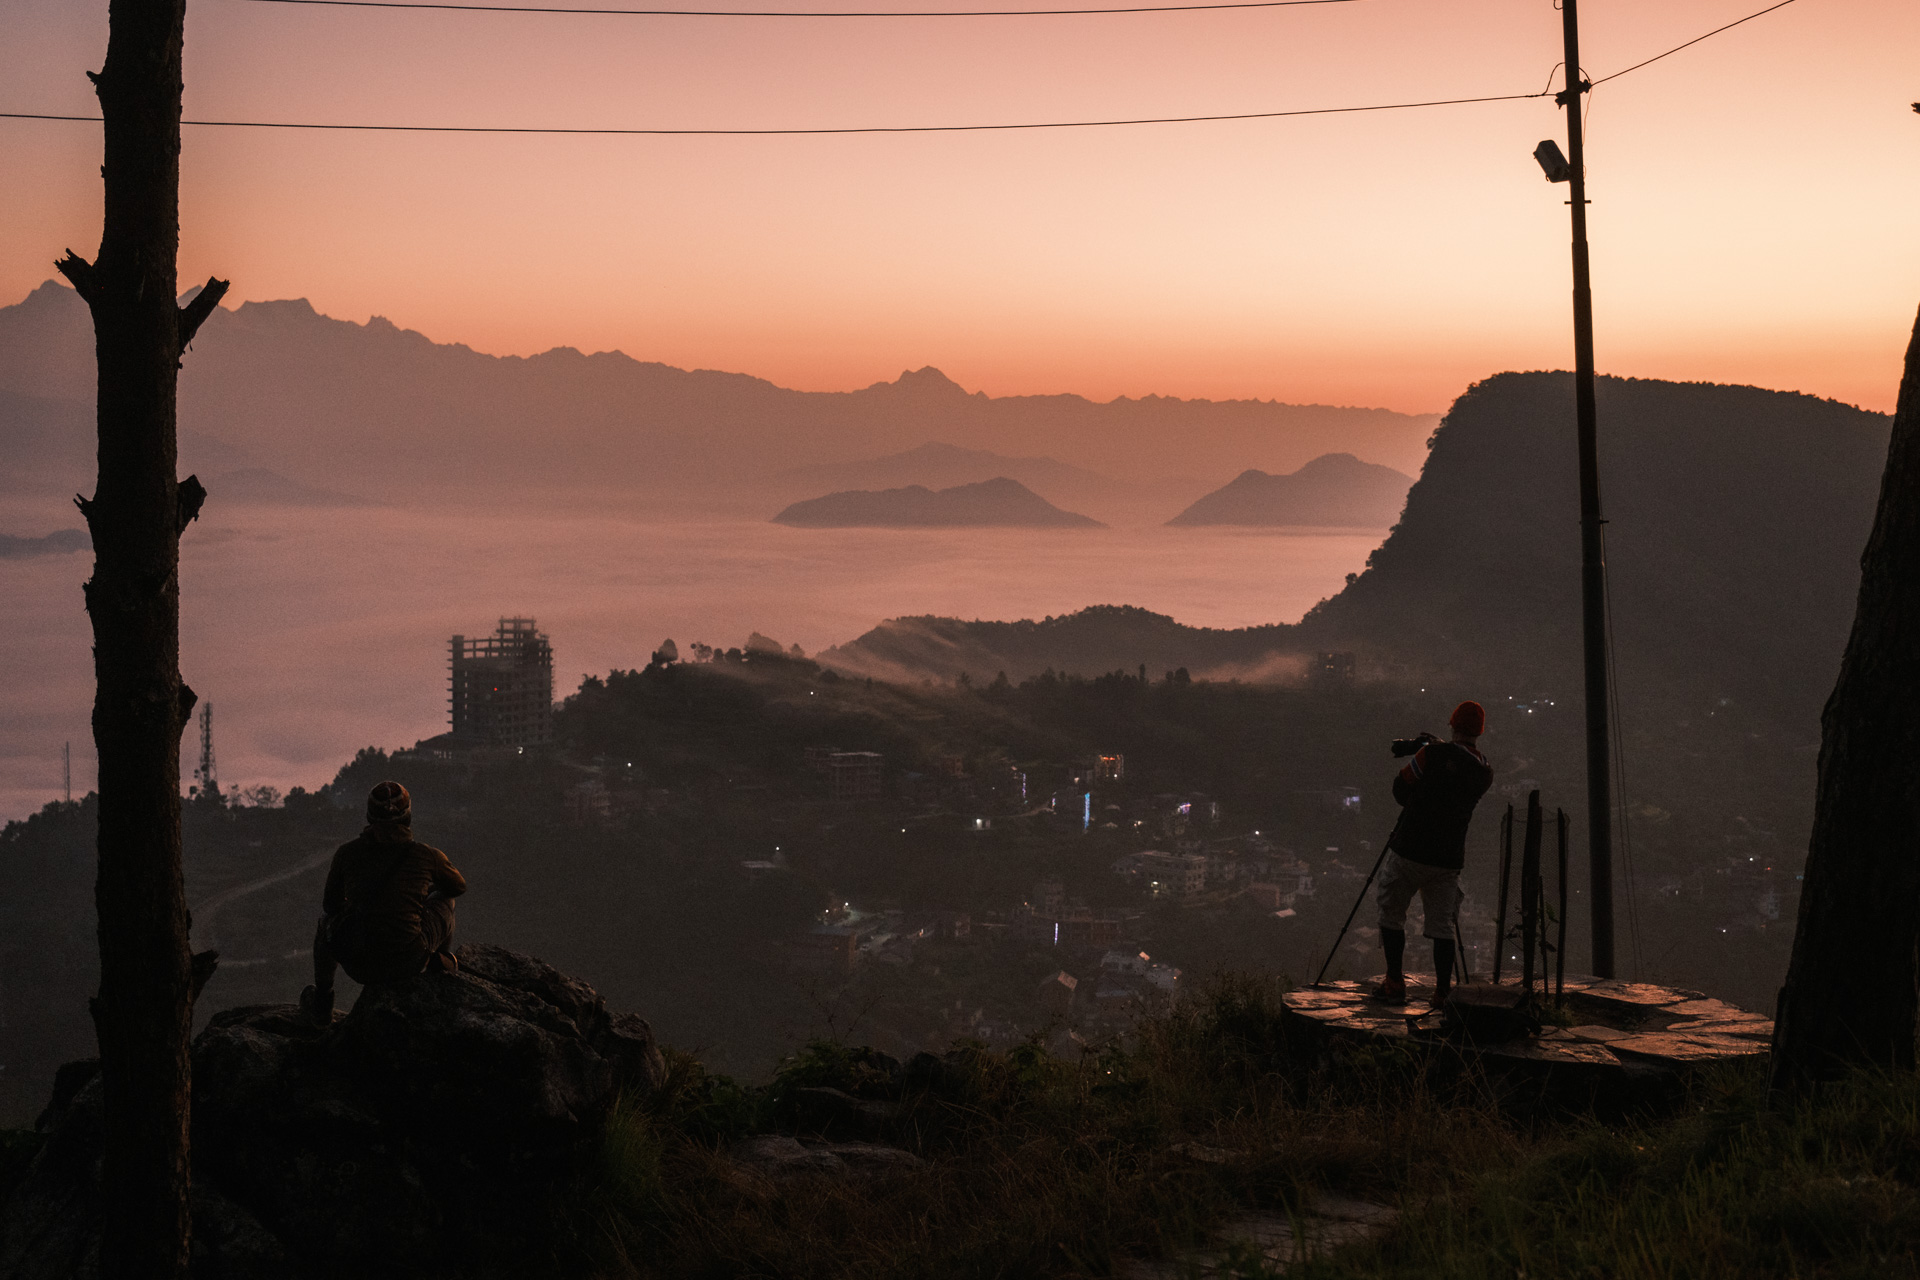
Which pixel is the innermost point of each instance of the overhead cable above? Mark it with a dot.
(911, 128)
(778, 13)
(1696, 40)
(734, 133)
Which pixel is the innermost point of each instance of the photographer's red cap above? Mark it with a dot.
(1469, 718)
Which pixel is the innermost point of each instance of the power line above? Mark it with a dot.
(1696, 40)
(776, 13)
(914, 128)
(908, 128)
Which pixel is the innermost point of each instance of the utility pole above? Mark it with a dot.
(1593, 553)
(143, 1015)
(66, 769)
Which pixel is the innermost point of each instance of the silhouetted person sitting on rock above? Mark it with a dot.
(388, 903)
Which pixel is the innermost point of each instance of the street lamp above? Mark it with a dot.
(1552, 162)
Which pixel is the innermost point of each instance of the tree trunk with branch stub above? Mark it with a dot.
(1853, 986)
(143, 1013)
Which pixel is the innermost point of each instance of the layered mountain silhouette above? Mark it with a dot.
(1736, 518)
(997, 502)
(262, 487)
(1336, 489)
(383, 412)
(941, 466)
(58, 543)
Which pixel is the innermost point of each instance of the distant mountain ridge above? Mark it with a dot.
(999, 502)
(269, 488)
(1334, 490)
(58, 543)
(384, 412)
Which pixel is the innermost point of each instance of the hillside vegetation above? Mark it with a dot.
(655, 909)
(1164, 1148)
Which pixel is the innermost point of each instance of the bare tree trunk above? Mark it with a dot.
(143, 1013)
(1851, 997)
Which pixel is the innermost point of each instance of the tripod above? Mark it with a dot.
(1459, 943)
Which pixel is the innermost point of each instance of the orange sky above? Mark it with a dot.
(1752, 216)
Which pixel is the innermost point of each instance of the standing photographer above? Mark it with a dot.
(1437, 791)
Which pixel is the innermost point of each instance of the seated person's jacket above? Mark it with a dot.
(378, 886)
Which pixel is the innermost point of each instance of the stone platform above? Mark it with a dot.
(1621, 1034)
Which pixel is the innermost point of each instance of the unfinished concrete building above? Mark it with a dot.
(503, 687)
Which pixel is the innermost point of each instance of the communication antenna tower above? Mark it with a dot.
(209, 784)
(66, 769)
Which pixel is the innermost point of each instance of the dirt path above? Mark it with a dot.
(204, 912)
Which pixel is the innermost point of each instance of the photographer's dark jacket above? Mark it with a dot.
(1437, 791)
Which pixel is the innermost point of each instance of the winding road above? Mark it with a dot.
(204, 911)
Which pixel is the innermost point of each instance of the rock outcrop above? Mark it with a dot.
(441, 1121)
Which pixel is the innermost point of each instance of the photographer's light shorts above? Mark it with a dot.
(1438, 887)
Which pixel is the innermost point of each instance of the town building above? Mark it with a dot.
(502, 687)
(589, 802)
(1332, 669)
(855, 775)
(831, 950)
(1164, 874)
(1268, 897)
(952, 926)
(1056, 992)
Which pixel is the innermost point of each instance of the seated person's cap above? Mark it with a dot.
(1469, 718)
(389, 804)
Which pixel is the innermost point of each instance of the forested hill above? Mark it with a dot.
(1095, 640)
(1736, 519)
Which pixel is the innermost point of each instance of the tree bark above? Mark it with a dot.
(1851, 994)
(143, 1012)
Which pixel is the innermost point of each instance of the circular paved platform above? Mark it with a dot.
(1628, 1026)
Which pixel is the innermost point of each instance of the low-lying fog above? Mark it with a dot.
(315, 632)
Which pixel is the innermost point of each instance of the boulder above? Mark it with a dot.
(443, 1114)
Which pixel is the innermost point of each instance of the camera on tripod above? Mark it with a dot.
(1407, 746)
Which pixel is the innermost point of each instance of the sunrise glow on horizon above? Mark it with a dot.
(1750, 222)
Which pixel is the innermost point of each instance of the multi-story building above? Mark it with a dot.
(1175, 874)
(856, 775)
(502, 687)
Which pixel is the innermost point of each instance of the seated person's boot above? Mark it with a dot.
(317, 1005)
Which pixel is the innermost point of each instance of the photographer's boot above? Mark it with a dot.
(1442, 970)
(1394, 989)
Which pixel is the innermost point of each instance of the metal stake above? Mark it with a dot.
(1560, 945)
(1506, 876)
(1530, 897)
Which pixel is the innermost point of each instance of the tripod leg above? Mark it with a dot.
(1341, 936)
(1460, 942)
